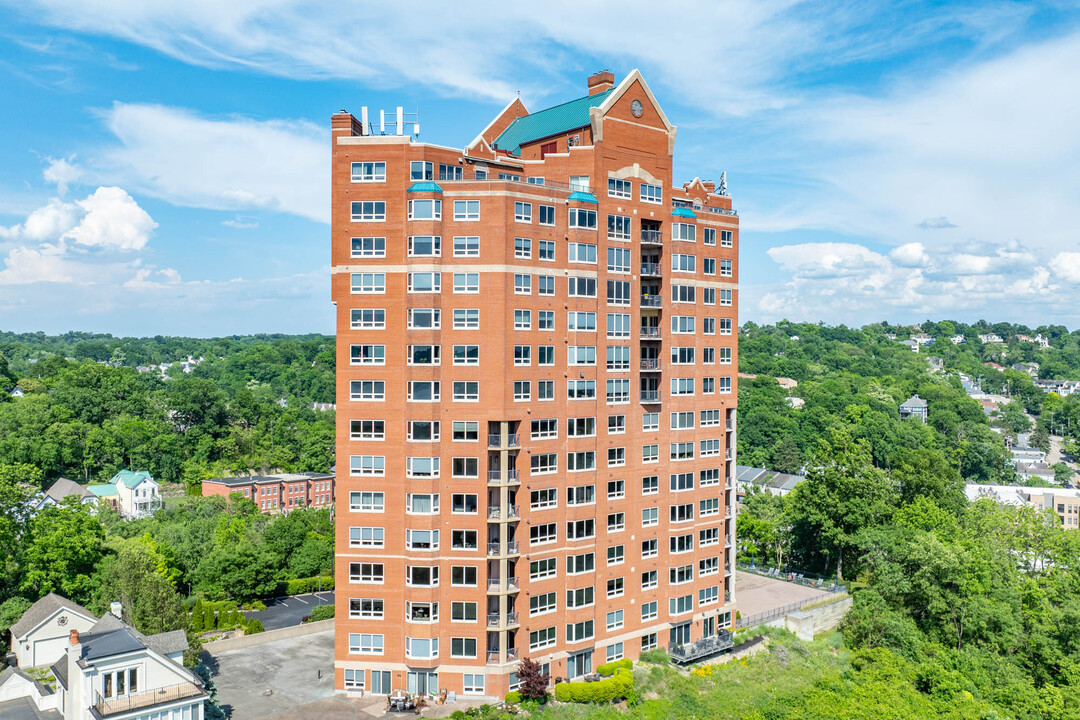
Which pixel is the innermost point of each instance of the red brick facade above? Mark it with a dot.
(277, 493)
(536, 411)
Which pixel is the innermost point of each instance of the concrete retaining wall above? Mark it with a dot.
(808, 623)
(244, 641)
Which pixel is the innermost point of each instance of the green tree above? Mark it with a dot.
(843, 494)
(149, 600)
(64, 547)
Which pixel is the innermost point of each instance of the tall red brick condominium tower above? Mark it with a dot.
(536, 396)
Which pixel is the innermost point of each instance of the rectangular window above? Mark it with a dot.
(582, 219)
(368, 319)
(581, 390)
(725, 326)
(618, 260)
(366, 537)
(618, 325)
(365, 644)
(542, 569)
(367, 430)
(466, 430)
(725, 268)
(424, 318)
(366, 502)
(545, 320)
(466, 246)
(523, 212)
(367, 390)
(420, 170)
(463, 576)
(368, 211)
(614, 620)
(683, 294)
(543, 533)
(464, 648)
(540, 639)
(616, 457)
(616, 425)
(683, 263)
(466, 282)
(581, 287)
(425, 246)
(366, 608)
(543, 463)
(367, 465)
(466, 319)
(368, 172)
(581, 253)
(368, 283)
(619, 188)
(581, 427)
(650, 421)
(708, 296)
(581, 355)
(618, 391)
(463, 503)
(582, 460)
(450, 172)
(367, 354)
(545, 390)
(522, 319)
(425, 282)
(466, 210)
(462, 611)
(618, 228)
(618, 292)
(522, 390)
(466, 391)
(466, 354)
(726, 238)
(546, 215)
(546, 249)
(522, 284)
(582, 597)
(543, 499)
(618, 357)
(366, 572)
(709, 236)
(425, 209)
(683, 324)
(422, 467)
(368, 247)
(580, 183)
(652, 193)
(684, 231)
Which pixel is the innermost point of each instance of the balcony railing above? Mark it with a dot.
(650, 364)
(730, 424)
(512, 441)
(650, 396)
(495, 512)
(494, 548)
(493, 656)
(702, 648)
(105, 707)
(495, 620)
(651, 270)
(496, 476)
(653, 301)
(729, 454)
(650, 331)
(652, 237)
(495, 584)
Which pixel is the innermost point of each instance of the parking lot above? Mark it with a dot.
(288, 611)
(278, 676)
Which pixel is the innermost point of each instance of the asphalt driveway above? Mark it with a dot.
(287, 611)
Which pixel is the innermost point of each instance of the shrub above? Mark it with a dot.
(322, 612)
(513, 697)
(254, 627)
(618, 686)
(209, 618)
(301, 586)
(533, 682)
(609, 669)
(198, 619)
(657, 656)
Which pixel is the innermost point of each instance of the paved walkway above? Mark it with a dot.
(758, 594)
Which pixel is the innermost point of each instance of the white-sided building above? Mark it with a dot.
(133, 494)
(58, 492)
(40, 637)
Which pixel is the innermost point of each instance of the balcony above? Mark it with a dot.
(495, 620)
(706, 646)
(650, 332)
(729, 454)
(495, 477)
(495, 512)
(495, 585)
(493, 656)
(730, 424)
(651, 270)
(494, 549)
(650, 365)
(650, 396)
(513, 442)
(104, 707)
(652, 237)
(652, 301)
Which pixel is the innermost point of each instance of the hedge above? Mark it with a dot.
(513, 697)
(608, 669)
(301, 586)
(617, 687)
(322, 612)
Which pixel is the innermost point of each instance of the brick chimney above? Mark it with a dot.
(601, 81)
(73, 636)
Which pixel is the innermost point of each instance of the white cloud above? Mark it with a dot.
(108, 219)
(150, 279)
(219, 163)
(77, 242)
(62, 172)
(1067, 266)
(938, 223)
(843, 282)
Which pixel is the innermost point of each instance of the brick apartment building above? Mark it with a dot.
(277, 493)
(536, 392)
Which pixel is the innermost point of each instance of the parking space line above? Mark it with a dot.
(303, 601)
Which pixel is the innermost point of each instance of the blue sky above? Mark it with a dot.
(163, 167)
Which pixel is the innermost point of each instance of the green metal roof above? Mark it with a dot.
(424, 186)
(545, 123)
(683, 212)
(583, 197)
(131, 479)
(102, 490)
